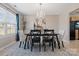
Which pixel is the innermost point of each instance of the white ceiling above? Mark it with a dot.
(51, 8)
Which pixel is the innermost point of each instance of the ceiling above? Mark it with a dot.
(50, 8)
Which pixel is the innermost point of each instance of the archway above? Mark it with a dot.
(74, 25)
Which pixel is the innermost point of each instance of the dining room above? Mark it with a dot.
(37, 29)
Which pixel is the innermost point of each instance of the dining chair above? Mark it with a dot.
(61, 36)
(35, 39)
(48, 39)
(22, 38)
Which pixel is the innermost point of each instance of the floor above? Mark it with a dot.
(71, 49)
(73, 46)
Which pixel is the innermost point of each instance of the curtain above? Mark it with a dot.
(17, 34)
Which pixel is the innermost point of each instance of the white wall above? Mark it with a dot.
(64, 25)
(64, 21)
(52, 22)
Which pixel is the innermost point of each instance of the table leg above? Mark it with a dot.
(25, 43)
(44, 46)
(58, 42)
(52, 45)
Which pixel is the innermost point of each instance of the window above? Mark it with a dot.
(11, 23)
(7, 22)
(11, 28)
(2, 32)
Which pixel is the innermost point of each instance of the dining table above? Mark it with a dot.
(41, 35)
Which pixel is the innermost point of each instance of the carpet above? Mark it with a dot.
(14, 50)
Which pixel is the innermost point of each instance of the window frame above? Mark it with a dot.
(5, 28)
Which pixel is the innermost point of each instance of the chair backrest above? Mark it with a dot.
(36, 31)
(61, 34)
(48, 31)
(21, 35)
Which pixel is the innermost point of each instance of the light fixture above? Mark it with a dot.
(40, 15)
(41, 11)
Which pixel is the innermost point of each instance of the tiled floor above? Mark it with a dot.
(71, 49)
(73, 46)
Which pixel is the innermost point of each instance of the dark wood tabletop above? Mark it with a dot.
(41, 34)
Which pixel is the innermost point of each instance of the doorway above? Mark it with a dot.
(74, 29)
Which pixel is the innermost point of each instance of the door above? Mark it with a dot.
(72, 30)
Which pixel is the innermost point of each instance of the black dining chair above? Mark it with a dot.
(48, 39)
(35, 39)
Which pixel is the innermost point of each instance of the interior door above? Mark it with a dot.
(72, 30)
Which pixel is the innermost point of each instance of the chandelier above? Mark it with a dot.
(40, 15)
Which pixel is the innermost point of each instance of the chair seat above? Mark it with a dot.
(47, 39)
(36, 39)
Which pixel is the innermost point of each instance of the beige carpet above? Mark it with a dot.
(71, 49)
(14, 50)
